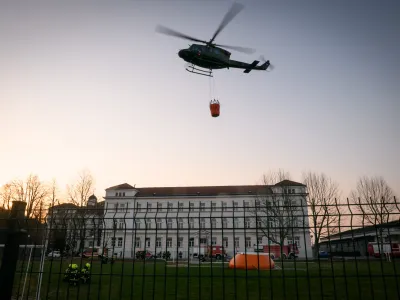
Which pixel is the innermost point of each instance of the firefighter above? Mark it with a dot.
(85, 273)
(68, 272)
(74, 275)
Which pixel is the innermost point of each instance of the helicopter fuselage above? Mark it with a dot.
(215, 58)
(205, 56)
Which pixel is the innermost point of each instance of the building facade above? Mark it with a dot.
(72, 228)
(186, 220)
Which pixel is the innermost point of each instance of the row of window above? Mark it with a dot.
(201, 222)
(202, 207)
(202, 241)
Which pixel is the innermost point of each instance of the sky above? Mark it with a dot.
(91, 85)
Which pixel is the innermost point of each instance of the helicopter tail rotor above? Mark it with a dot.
(270, 66)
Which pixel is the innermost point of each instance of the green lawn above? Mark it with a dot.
(300, 280)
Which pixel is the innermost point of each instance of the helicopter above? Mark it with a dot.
(203, 59)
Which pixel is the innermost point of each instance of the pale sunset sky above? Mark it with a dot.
(91, 85)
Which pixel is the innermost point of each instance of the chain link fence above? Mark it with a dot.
(258, 249)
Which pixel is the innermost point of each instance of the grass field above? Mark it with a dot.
(150, 280)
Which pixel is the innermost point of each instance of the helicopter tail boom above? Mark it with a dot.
(251, 67)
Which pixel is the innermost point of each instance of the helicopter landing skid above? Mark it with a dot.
(200, 71)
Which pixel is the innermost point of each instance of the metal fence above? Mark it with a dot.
(258, 250)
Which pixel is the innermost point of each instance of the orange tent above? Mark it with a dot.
(251, 261)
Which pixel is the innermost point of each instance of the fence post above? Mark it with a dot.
(11, 249)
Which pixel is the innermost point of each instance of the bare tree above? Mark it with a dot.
(322, 197)
(6, 196)
(274, 176)
(32, 191)
(374, 200)
(276, 210)
(79, 192)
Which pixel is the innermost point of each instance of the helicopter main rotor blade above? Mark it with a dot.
(235, 9)
(239, 49)
(168, 31)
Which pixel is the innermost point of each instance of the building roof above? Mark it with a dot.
(124, 186)
(92, 197)
(203, 191)
(362, 230)
(289, 183)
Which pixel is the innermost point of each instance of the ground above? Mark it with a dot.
(350, 279)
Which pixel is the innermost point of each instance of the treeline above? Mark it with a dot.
(40, 195)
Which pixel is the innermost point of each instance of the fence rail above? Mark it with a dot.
(258, 250)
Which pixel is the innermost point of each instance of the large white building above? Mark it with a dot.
(185, 220)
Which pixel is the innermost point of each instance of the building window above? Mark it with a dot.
(213, 223)
(191, 206)
(122, 207)
(248, 242)
(120, 242)
(225, 242)
(159, 223)
(191, 242)
(169, 242)
(191, 223)
(180, 242)
(123, 194)
(137, 242)
(236, 223)
(180, 206)
(170, 206)
(202, 206)
(180, 223)
(147, 243)
(202, 223)
(121, 224)
(297, 241)
(235, 206)
(116, 194)
(138, 207)
(213, 240)
(259, 240)
(159, 206)
(293, 191)
(246, 205)
(237, 242)
(148, 224)
(257, 204)
(259, 224)
(158, 242)
(169, 223)
(271, 224)
(213, 206)
(224, 206)
(90, 243)
(113, 241)
(203, 241)
(149, 207)
(224, 223)
(116, 207)
(137, 224)
(247, 223)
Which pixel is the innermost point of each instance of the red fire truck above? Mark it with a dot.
(288, 251)
(217, 252)
(380, 249)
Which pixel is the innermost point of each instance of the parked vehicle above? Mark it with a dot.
(324, 254)
(217, 252)
(54, 254)
(379, 249)
(288, 251)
